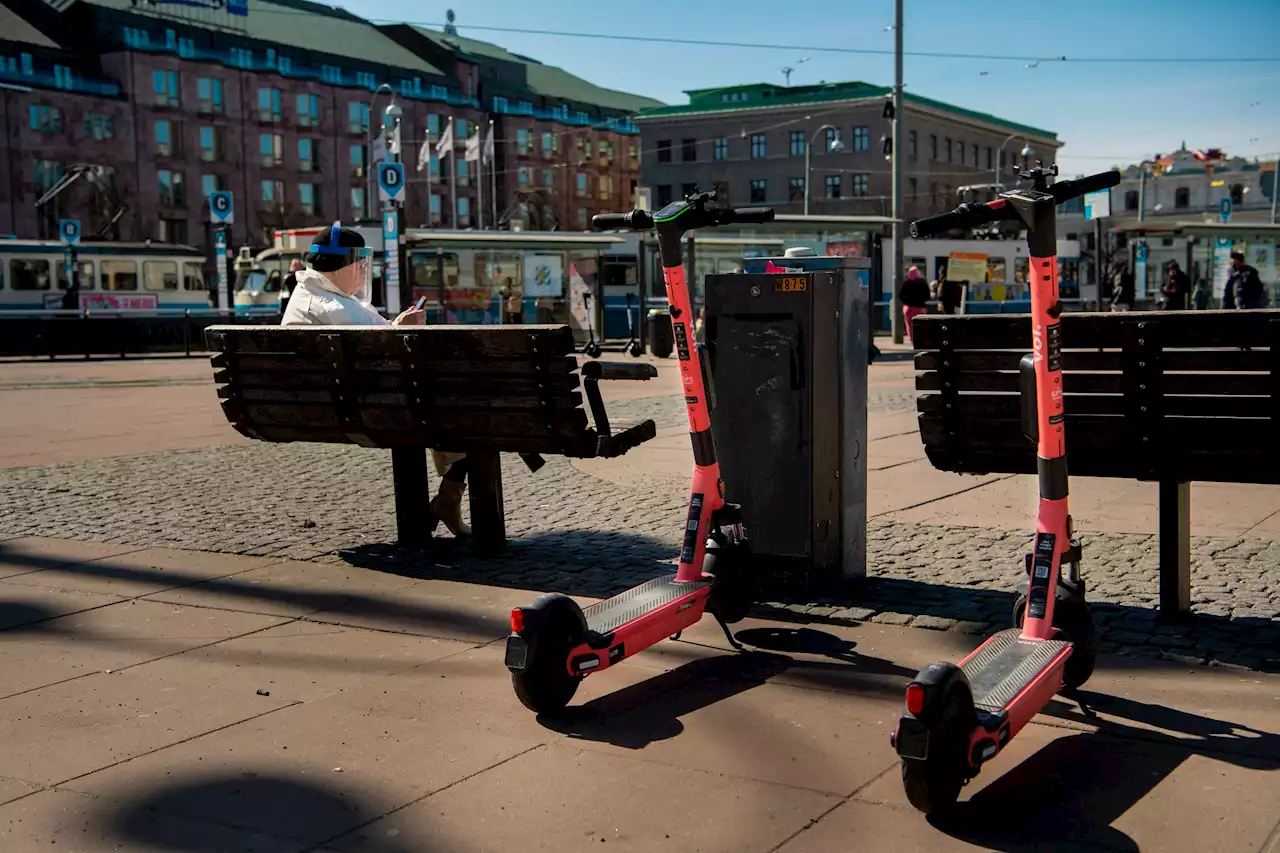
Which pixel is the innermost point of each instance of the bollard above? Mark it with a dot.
(124, 343)
(84, 325)
(186, 331)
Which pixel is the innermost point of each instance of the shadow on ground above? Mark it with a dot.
(651, 710)
(1068, 794)
(271, 812)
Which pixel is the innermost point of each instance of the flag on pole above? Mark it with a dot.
(445, 145)
(488, 146)
(424, 156)
(473, 147)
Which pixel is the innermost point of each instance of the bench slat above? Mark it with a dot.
(1089, 434)
(568, 424)
(1223, 466)
(400, 400)
(293, 363)
(1217, 360)
(1210, 384)
(419, 438)
(1090, 330)
(435, 342)
(442, 382)
(986, 407)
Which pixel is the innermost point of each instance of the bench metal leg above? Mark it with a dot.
(413, 496)
(488, 517)
(1175, 550)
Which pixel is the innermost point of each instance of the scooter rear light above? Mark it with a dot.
(517, 620)
(915, 698)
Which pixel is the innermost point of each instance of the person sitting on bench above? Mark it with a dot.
(336, 289)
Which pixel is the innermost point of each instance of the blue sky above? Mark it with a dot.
(1105, 113)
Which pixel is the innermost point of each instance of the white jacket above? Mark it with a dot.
(316, 301)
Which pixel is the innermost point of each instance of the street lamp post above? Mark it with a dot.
(371, 185)
(1026, 151)
(836, 146)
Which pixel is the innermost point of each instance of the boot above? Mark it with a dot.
(447, 507)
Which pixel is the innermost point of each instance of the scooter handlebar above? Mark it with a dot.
(636, 220)
(1066, 190)
(965, 216)
(746, 215)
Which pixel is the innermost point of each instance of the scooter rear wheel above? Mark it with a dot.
(933, 785)
(592, 349)
(635, 350)
(545, 685)
(734, 588)
(1072, 617)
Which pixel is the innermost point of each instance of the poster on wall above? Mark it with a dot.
(967, 266)
(578, 289)
(543, 276)
(1221, 265)
(1262, 257)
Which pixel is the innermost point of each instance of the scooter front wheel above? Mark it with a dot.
(635, 350)
(1072, 617)
(592, 349)
(933, 785)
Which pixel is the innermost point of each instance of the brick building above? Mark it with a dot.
(749, 143)
(156, 105)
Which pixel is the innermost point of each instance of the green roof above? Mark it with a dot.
(309, 26)
(15, 28)
(545, 80)
(756, 95)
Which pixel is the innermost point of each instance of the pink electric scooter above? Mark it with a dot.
(554, 643)
(960, 716)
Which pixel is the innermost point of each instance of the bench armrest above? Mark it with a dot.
(612, 446)
(618, 370)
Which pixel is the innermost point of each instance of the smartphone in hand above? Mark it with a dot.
(421, 301)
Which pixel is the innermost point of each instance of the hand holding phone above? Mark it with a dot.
(421, 301)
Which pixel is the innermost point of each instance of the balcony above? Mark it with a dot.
(45, 80)
(269, 116)
(620, 125)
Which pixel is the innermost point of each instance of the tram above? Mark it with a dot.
(111, 276)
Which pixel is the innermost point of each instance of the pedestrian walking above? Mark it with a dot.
(914, 296)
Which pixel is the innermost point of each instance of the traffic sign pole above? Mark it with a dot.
(69, 230)
(222, 214)
(392, 189)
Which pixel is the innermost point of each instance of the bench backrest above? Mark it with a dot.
(1148, 395)
(454, 388)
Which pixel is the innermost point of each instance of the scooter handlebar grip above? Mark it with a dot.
(961, 217)
(1066, 190)
(752, 214)
(601, 221)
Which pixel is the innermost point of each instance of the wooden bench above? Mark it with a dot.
(482, 390)
(1169, 397)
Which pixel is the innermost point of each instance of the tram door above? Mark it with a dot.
(619, 278)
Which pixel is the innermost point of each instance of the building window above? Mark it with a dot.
(500, 104)
(464, 211)
(210, 184)
(633, 156)
(523, 176)
(829, 139)
(99, 126)
(795, 189)
(975, 156)
(271, 147)
(134, 37)
(45, 119)
(758, 148)
(171, 189)
(664, 195)
(1131, 200)
(547, 146)
(165, 86)
(331, 74)
(606, 154)
(721, 149)
(833, 186)
(989, 161)
(759, 190)
(1182, 197)
(912, 139)
(167, 139)
(861, 185)
(269, 105)
(605, 183)
(664, 150)
(797, 143)
(689, 150)
(358, 118)
(548, 177)
(308, 110)
(358, 161)
(209, 93)
(524, 142)
(959, 152)
(366, 79)
(210, 143)
(948, 145)
(241, 58)
(62, 77)
(913, 189)
(582, 218)
(48, 173)
(186, 48)
(1237, 195)
(307, 199)
(861, 138)
(272, 192)
(582, 184)
(933, 146)
(357, 203)
(307, 156)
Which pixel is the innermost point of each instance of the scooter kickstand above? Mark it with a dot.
(727, 633)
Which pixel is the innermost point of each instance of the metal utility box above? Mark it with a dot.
(787, 353)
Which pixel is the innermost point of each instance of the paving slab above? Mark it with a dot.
(111, 638)
(304, 661)
(141, 572)
(290, 588)
(25, 607)
(74, 823)
(66, 730)
(903, 486)
(365, 766)
(12, 789)
(565, 798)
(20, 555)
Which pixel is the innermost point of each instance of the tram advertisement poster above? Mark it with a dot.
(967, 266)
(845, 249)
(1221, 264)
(119, 301)
(1262, 256)
(543, 276)
(578, 289)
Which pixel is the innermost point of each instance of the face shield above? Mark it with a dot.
(355, 266)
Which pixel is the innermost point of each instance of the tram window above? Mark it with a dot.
(996, 270)
(118, 275)
(1021, 270)
(160, 275)
(84, 275)
(29, 274)
(423, 267)
(193, 276)
(498, 270)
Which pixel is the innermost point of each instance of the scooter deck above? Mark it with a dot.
(605, 617)
(1003, 667)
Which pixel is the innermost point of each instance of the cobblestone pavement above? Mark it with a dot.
(583, 535)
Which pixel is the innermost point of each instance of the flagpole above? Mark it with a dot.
(453, 176)
(479, 184)
(493, 176)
